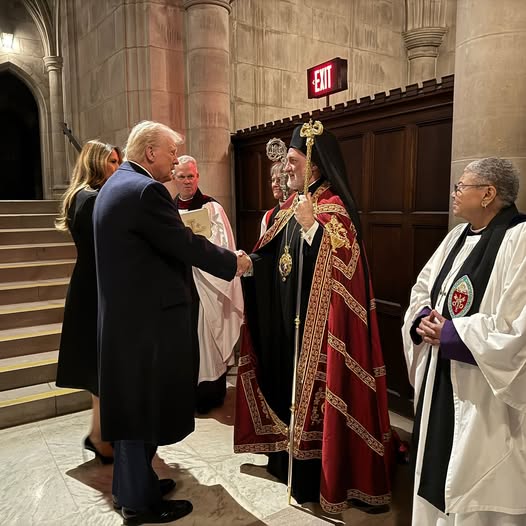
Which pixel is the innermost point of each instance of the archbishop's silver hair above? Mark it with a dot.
(148, 133)
(185, 159)
(500, 173)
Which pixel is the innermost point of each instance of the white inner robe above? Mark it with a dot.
(220, 307)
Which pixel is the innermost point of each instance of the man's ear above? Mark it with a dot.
(150, 154)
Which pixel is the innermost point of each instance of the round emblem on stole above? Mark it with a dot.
(460, 297)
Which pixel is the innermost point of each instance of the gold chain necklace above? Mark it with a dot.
(285, 261)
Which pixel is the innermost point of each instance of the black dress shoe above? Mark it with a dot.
(165, 485)
(88, 444)
(168, 511)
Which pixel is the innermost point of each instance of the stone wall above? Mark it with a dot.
(446, 52)
(125, 63)
(273, 42)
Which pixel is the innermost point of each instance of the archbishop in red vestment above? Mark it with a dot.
(342, 441)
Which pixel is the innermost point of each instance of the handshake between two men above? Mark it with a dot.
(244, 263)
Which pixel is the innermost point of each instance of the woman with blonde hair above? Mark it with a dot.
(77, 360)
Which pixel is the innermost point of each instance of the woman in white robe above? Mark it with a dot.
(465, 346)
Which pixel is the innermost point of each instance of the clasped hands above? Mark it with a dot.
(244, 263)
(430, 327)
(304, 212)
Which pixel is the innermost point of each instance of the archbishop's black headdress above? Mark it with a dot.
(327, 156)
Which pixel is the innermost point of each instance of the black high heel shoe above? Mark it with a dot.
(88, 444)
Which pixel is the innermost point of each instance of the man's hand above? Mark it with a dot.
(305, 212)
(430, 327)
(244, 263)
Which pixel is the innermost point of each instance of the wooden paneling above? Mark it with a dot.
(250, 187)
(433, 159)
(353, 153)
(385, 245)
(397, 148)
(425, 240)
(387, 177)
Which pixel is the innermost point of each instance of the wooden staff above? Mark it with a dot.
(308, 130)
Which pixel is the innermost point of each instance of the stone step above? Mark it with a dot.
(30, 207)
(29, 369)
(36, 270)
(29, 291)
(37, 252)
(27, 220)
(24, 236)
(30, 340)
(36, 402)
(16, 315)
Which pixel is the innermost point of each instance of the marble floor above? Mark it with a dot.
(47, 479)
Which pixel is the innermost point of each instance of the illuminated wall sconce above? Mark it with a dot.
(7, 40)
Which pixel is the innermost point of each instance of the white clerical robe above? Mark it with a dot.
(220, 308)
(486, 477)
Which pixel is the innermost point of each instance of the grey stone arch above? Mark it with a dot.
(46, 15)
(41, 95)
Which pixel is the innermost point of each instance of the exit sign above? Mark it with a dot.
(327, 78)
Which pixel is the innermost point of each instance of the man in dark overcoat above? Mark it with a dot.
(144, 255)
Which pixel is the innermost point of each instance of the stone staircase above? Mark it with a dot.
(36, 262)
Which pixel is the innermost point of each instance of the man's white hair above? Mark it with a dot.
(148, 133)
(185, 159)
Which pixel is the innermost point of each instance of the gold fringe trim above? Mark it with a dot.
(338, 507)
(349, 269)
(278, 428)
(353, 424)
(339, 346)
(262, 448)
(352, 303)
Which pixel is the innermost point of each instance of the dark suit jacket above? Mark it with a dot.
(144, 255)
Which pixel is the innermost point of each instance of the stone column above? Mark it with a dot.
(59, 180)
(208, 95)
(425, 29)
(489, 105)
(422, 51)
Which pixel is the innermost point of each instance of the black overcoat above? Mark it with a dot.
(77, 359)
(144, 255)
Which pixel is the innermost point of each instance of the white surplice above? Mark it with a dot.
(486, 477)
(220, 306)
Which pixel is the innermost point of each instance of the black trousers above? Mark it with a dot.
(135, 483)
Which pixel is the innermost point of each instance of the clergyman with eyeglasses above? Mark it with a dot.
(217, 305)
(464, 338)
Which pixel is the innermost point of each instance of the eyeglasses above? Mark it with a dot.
(459, 188)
